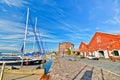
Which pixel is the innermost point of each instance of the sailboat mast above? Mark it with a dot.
(26, 31)
(24, 47)
(35, 32)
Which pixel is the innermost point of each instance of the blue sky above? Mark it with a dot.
(58, 21)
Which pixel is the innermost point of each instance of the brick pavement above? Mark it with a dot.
(65, 69)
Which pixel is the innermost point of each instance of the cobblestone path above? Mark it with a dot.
(65, 69)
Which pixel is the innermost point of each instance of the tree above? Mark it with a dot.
(69, 51)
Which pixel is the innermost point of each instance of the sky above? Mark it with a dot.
(59, 21)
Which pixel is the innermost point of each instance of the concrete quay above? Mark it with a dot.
(25, 73)
(65, 69)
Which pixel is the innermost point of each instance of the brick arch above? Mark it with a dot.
(101, 54)
(116, 52)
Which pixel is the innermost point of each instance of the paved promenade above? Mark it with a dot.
(65, 69)
(8, 76)
(104, 64)
(110, 66)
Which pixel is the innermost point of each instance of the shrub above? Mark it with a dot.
(69, 51)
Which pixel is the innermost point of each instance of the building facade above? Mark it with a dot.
(63, 47)
(101, 45)
(83, 49)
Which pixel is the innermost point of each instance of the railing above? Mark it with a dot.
(2, 71)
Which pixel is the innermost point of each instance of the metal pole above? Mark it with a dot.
(2, 71)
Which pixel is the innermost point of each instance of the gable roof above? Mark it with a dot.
(116, 37)
(83, 46)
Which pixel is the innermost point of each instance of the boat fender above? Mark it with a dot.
(26, 62)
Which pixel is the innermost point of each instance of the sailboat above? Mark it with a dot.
(34, 60)
(21, 60)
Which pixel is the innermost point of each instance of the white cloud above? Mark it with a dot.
(13, 36)
(9, 48)
(45, 40)
(11, 32)
(116, 17)
(48, 2)
(97, 28)
(3, 9)
(87, 29)
(10, 26)
(73, 28)
(43, 34)
(114, 20)
(112, 31)
(77, 36)
(68, 27)
(16, 3)
(52, 40)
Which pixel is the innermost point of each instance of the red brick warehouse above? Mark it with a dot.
(63, 47)
(101, 45)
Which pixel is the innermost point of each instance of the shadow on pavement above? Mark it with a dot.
(102, 74)
(80, 72)
(23, 76)
(87, 75)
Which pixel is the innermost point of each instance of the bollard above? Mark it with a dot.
(45, 77)
(113, 60)
(42, 66)
(2, 71)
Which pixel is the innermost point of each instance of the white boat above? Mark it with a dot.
(17, 60)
